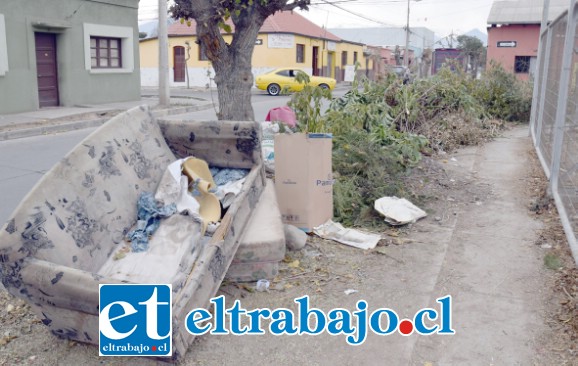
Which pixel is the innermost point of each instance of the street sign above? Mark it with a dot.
(507, 44)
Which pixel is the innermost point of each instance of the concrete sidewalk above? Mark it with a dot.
(62, 119)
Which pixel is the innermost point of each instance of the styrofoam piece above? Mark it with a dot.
(398, 211)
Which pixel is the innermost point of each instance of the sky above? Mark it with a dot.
(441, 16)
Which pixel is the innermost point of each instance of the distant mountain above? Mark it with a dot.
(151, 27)
(444, 42)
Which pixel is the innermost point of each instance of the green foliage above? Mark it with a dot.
(503, 96)
(364, 171)
(369, 153)
(552, 262)
(380, 129)
(452, 109)
(308, 104)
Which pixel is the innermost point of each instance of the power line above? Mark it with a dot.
(356, 14)
(370, 19)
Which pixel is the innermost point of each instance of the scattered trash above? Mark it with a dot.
(212, 227)
(6, 339)
(437, 218)
(227, 175)
(295, 239)
(294, 264)
(546, 246)
(9, 308)
(202, 186)
(269, 131)
(186, 203)
(355, 238)
(149, 220)
(479, 203)
(228, 191)
(282, 114)
(398, 211)
(350, 291)
(262, 286)
(454, 159)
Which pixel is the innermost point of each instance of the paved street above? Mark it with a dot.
(24, 161)
(262, 102)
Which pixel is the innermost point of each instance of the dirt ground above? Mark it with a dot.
(492, 240)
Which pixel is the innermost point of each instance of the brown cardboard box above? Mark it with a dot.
(304, 179)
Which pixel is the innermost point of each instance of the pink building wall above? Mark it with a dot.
(526, 37)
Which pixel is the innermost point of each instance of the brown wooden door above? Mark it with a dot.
(315, 62)
(343, 64)
(179, 63)
(46, 69)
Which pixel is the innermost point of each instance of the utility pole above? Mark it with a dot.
(406, 53)
(187, 61)
(164, 92)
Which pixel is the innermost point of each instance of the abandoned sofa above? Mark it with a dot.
(63, 238)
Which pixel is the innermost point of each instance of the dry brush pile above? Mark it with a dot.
(381, 129)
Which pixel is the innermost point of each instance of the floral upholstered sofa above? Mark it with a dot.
(68, 229)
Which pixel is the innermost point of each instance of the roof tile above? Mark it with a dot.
(280, 22)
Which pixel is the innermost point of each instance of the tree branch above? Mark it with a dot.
(301, 4)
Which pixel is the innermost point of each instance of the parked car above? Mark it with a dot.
(275, 81)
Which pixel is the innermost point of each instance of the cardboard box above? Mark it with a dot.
(304, 179)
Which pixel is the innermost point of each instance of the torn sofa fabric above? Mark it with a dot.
(150, 214)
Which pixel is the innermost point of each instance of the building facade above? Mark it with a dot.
(286, 39)
(67, 52)
(514, 33)
(420, 38)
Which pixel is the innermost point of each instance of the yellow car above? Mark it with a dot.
(275, 81)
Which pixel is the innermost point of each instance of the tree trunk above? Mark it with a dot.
(232, 63)
(234, 82)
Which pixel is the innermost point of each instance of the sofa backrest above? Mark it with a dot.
(82, 208)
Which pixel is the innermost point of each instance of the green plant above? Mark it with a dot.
(365, 170)
(308, 104)
(551, 261)
(503, 95)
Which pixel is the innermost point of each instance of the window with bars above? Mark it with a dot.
(300, 53)
(105, 53)
(522, 64)
(354, 57)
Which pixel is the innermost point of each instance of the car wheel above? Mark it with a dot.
(324, 86)
(274, 89)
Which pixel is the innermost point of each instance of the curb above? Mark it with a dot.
(79, 125)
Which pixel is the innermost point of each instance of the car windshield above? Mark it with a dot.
(286, 73)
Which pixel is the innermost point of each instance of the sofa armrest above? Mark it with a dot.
(49, 284)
